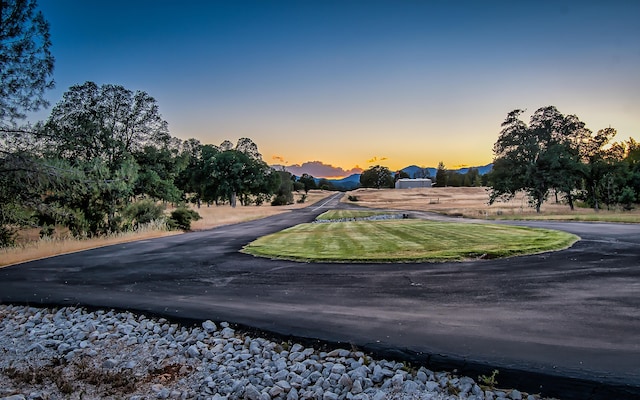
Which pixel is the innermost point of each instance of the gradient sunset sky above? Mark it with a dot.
(357, 83)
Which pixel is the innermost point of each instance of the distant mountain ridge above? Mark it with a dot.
(413, 170)
(353, 181)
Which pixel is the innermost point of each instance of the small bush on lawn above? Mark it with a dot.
(353, 198)
(181, 218)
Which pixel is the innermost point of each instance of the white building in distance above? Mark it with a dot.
(405, 183)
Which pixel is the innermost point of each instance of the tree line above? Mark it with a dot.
(104, 158)
(557, 154)
(381, 177)
(103, 149)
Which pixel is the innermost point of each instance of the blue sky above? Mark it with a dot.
(357, 83)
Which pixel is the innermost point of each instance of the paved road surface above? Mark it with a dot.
(573, 314)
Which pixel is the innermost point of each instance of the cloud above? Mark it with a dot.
(376, 159)
(279, 159)
(318, 169)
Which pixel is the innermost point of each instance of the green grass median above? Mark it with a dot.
(405, 241)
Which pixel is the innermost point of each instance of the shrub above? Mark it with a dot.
(181, 218)
(7, 236)
(282, 200)
(47, 231)
(627, 197)
(353, 198)
(302, 199)
(143, 212)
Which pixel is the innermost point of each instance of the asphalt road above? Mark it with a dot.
(563, 324)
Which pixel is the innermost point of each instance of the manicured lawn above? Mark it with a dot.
(405, 241)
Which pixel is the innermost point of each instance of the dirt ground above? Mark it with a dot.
(471, 202)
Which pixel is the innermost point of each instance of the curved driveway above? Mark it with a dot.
(572, 314)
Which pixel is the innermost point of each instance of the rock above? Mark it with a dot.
(345, 381)
(329, 396)
(410, 387)
(515, 395)
(192, 351)
(284, 385)
(431, 386)
(338, 369)
(275, 391)
(281, 364)
(379, 395)
(227, 333)
(37, 347)
(397, 380)
(209, 326)
(109, 363)
(251, 393)
(356, 388)
(293, 394)
(421, 376)
(14, 397)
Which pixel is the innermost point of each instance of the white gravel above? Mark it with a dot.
(71, 353)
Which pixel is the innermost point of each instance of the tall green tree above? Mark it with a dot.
(284, 191)
(441, 175)
(537, 157)
(601, 166)
(108, 121)
(308, 182)
(377, 177)
(26, 69)
(26, 62)
(159, 169)
(235, 174)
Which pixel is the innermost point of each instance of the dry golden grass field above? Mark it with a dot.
(472, 202)
(32, 248)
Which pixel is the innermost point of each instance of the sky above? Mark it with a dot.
(345, 85)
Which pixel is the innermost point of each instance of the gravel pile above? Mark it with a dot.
(71, 353)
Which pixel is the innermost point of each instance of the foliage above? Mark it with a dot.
(234, 174)
(325, 184)
(284, 195)
(182, 217)
(558, 154)
(377, 177)
(159, 169)
(489, 382)
(108, 122)
(308, 182)
(26, 63)
(538, 157)
(353, 198)
(143, 212)
(441, 175)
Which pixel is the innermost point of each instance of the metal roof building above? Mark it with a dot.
(405, 183)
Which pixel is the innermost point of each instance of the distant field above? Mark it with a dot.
(405, 241)
(472, 202)
(32, 248)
